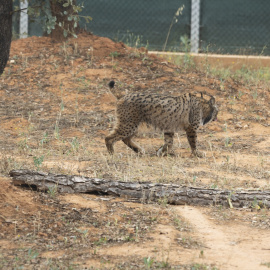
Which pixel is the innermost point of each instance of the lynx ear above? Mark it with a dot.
(212, 101)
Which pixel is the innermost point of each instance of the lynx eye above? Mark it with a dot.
(206, 120)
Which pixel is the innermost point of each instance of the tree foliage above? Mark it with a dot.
(60, 18)
(60, 21)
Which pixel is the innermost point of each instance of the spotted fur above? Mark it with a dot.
(169, 114)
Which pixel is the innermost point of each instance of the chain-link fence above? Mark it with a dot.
(144, 23)
(215, 26)
(235, 26)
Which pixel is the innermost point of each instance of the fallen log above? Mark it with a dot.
(143, 191)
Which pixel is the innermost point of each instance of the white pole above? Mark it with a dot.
(195, 26)
(24, 19)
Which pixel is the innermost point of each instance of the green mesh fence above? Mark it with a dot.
(235, 26)
(140, 22)
(215, 26)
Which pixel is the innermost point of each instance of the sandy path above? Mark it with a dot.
(229, 247)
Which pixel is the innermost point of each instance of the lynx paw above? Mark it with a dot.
(198, 154)
(161, 152)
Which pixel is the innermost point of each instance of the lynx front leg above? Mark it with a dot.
(167, 147)
(192, 139)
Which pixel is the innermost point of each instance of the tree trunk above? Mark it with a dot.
(61, 33)
(145, 192)
(5, 32)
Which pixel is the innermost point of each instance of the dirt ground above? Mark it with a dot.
(56, 110)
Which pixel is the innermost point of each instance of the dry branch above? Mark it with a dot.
(143, 191)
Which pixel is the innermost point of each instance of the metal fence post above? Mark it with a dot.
(195, 26)
(24, 19)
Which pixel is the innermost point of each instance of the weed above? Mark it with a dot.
(84, 233)
(229, 200)
(174, 21)
(163, 201)
(198, 266)
(255, 204)
(163, 264)
(180, 224)
(148, 262)
(75, 144)
(214, 186)
(7, 164)
(240, 94)
(114, 54)
(227, 142)
(188, 242)
(38, 161)
(102, 240)
(37, 221)
(187, 60)
(32, 254)
(56, 128)
(57, 132)
(90, 56)
(137, 234)
(25, 61)
(254, 94)
(132, 40)
(201, 254)
(232, 100)
(134, 54)
(129, 238)
(44, 139)
(23, 144)
(52, 191)
(267, 264)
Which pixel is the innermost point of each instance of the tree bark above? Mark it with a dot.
(5, 32)
(58, 10)
(143, 191)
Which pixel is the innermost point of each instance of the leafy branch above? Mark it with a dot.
(40, 9)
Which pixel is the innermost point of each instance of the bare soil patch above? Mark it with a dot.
(56, 110)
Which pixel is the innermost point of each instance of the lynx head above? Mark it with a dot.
(210, 110)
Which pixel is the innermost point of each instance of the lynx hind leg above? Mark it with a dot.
(124, 133)
(192, 139)
(168, 144)
(132, 145)
(111, 139)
